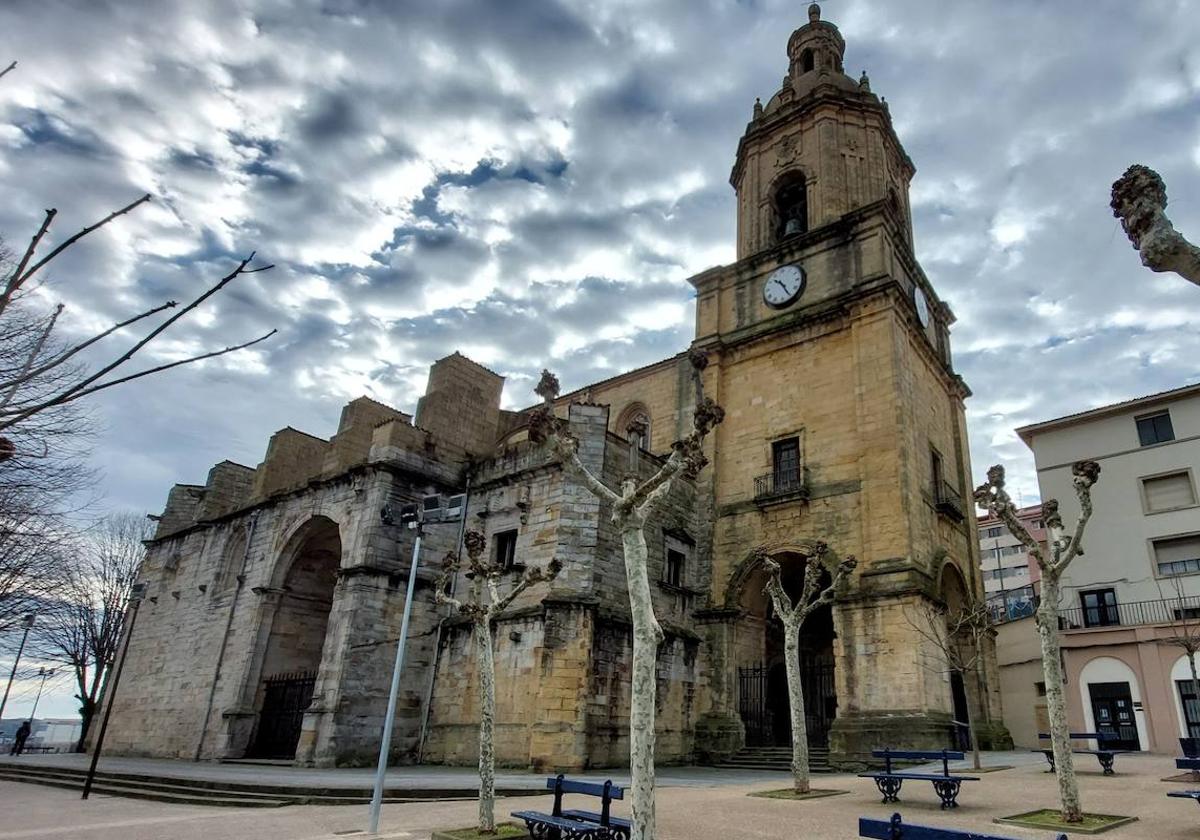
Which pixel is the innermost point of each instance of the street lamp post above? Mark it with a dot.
(44, 674)
(110, 691)
(27, 623)
(385, 746)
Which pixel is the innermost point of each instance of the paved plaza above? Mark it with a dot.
(692, 803)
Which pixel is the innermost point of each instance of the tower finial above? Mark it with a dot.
(814, 13)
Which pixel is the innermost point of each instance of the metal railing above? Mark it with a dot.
(1012, 604)
(781, 483)
(1131, 613)
(949, 501)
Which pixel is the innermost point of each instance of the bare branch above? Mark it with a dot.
(992, 497)
(21, 278)
(1084, 474)
(15, 279)
(78, 348)
(31, 358)
(75, 394)
(1139, 200)
(6, 70)
(533, 575)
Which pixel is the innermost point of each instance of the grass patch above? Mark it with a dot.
(790, 793)
(504, 831)
(1052, 818)
(1188, 777)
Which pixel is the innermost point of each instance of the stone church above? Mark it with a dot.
(275, 593)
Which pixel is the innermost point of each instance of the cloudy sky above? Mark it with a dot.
(531, 183)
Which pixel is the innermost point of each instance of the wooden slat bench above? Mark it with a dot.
(576, 825)
(894, 829)
(945, 784)
(1105, 757)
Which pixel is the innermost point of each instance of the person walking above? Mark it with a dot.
(19, 739)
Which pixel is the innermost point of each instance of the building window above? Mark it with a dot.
(634, 423)
(1191, 707)
(1040, 687)
(1099, 608)
(1177, 555)
(992, 533)
(677, 550)
(785, 464)
(505, 543)
(806, 61)
(673, 574)
(1155, 428)
(1168, 492)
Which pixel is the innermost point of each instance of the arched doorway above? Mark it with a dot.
(763, 701)
(297, 637)
(952, 589)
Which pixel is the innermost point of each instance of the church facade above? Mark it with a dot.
(276, 593)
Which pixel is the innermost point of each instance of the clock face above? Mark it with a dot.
(784, 286)
(922, 306)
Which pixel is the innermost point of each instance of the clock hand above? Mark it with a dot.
(780, 282)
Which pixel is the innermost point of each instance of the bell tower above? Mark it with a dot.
(821, 147)
(830, 351)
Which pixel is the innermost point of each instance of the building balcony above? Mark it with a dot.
(781, 486)
(1012, 604)
(1131, 614)
(948, 501)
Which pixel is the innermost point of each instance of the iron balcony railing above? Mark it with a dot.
(949, 501)
(1012, 604)
(1131, 613)
(793, 481)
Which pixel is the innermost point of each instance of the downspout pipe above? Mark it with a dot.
(241, 581)
(437, 637)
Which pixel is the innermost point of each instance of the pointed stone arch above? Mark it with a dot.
(634, 422)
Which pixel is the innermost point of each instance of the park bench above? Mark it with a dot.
(1105, 757)
(576, 825)
(946, 785)
(1185, 794)
(894, 829)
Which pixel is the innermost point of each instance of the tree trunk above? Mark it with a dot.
(791, 652)
(1056, 707)
(646, 636)
(487, 716)
(972, 730)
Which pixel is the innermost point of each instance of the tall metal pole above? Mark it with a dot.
(110, 691)
(43, 673)
(385, 745)
(28, 622)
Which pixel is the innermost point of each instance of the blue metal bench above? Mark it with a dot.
(576, 825)
(894, 829)
(1185, 794)
(1188, 763)
(945, 785)
(1105, 757)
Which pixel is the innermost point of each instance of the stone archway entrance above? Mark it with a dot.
(762, 681)
(297, 638)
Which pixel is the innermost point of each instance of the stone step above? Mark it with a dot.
(215, 792)
(179, 796)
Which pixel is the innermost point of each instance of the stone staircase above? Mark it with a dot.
(777, 758)
(191, 791)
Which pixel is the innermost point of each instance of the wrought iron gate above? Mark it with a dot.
(763, 701)
(285, 697)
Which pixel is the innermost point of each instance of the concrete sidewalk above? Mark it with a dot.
(693, 811)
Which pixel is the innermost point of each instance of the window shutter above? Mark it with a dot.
(1177, 549)
(1169, 491)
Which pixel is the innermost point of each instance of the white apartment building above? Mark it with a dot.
(1010, 574)
(1136, 590)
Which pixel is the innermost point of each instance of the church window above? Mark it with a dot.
(806, 61)
(791, 207)
(785, 463)
(635, 425)
(676, 553)
(505, 543)
(674, 570)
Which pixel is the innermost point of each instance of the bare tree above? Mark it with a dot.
(482, 607)
(1185, 629)
(81, 627)
(631, 508)
(793, 615)
(959, 636)
(1061, 549)
(1139, 200)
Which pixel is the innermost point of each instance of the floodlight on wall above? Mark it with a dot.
(455, 507)
(410, 514)
(432, 505)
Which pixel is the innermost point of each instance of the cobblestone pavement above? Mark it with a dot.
(685, 812)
